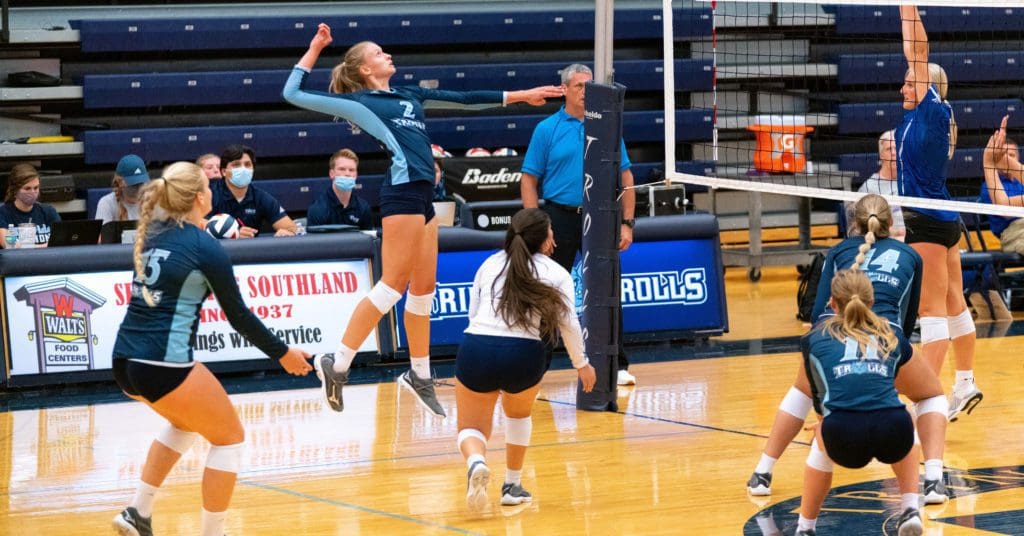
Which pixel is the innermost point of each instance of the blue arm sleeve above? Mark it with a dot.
(828, 270)
(220, 275)
(914, 298)
(439, 98)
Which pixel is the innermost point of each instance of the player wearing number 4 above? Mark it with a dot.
(176, 266)
(361, 93)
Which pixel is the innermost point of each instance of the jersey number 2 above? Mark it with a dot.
(408, 109)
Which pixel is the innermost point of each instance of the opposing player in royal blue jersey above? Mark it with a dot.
(924, 143)
(361, 93)
(856, 360)
(894, 270)
(177, 265)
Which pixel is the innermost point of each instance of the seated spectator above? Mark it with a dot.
(210, 164)
(339, 204)
(22, 206)
(251, 206)
(1002, 186)
(439, 153)
(883, 182)
(123, 203)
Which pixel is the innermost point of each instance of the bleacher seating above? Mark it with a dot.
(885, 20)
(264, 86)
(867, 118)
(306, 139)
(254, 32)
(972, 66)
(965, 164)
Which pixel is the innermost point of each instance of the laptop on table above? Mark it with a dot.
(75, 232)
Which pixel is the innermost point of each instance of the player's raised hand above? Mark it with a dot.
(322, 38)
(536, 96)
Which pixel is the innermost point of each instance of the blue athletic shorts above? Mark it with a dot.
(853, 438)
(486, 363)
(416, 197)
(151, 382)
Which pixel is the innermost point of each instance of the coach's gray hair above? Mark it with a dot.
(573, 69)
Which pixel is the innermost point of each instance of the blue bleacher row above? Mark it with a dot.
(233, 33)
(973, 66)
(965, 164)
(296, 195)
(305, 139)
(259, 87)
(970, 115)
(885, 20)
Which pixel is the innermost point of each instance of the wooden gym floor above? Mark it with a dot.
(673, 460)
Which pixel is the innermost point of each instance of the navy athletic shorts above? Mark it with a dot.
(853, 438)
(487, 363)
(415, 197)
(926, 229)
(151, 382)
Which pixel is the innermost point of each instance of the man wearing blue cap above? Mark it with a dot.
(123, 203)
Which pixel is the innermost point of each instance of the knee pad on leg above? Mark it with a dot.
(796, 404)
(818, 459)
(961, 324)
(419, 304)
(934, 328)
(936, 404)
(175, 439)
(227, 458)
(518, 431)
(467, 433)
(383, 297)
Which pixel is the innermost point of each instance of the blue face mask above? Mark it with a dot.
(240, 177)
(345, 184)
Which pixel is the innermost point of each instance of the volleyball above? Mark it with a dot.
(478, 151)
(222, 226)
(505, 151)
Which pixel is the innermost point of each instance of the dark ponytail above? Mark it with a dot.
(524, 298)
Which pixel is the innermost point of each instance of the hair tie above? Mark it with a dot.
(855, 297)
(872, 216)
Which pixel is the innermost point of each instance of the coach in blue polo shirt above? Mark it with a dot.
(339, 204)
(251, 206)
(554, 161)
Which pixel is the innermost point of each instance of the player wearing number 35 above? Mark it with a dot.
(361, 93)
(177, 264)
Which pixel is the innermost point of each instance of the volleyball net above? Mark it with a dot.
(803, 91)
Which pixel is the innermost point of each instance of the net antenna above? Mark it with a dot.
(829, 179)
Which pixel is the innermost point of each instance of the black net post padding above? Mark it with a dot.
(601, 220)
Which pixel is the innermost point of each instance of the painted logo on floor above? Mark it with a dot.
(873, 507)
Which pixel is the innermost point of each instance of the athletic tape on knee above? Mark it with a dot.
(467, 433)
(518, 431)
(796, 404)
(934, 328)
(419, 304)
(177, 440)
(227, 458)
(383, 297)
(818, 459)
(961, 324)
(936, 404)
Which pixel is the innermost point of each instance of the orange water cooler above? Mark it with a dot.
(780, 144)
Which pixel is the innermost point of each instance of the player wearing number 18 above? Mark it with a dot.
(177, 264)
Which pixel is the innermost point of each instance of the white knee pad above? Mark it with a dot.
(227, 458)
(383, 297)
(961, 324)
(177, 440)
(467, 433)
(518, 431)
(936, 404)
(934, 328)
(796, 404)
(419, 304)
(818, 459)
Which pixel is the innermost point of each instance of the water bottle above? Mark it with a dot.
(300, 228)
(12, 236)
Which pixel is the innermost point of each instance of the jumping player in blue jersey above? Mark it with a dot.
(177, 265)
(924, 143)
(361, 93)
(894, 270)
(856, 360)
